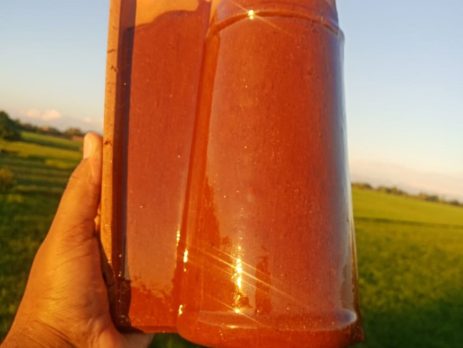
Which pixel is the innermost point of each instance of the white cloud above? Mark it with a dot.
(50, 115)
(33, 113)
(45, 115)
(53, 117)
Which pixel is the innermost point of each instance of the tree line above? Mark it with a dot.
(399, 192)
(11, 129)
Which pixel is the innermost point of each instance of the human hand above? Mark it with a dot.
(65, 303)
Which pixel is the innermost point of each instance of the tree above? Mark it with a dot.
(50, 131)
(9, 129)
(73, 132)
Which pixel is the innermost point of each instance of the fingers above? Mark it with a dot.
(79, 204)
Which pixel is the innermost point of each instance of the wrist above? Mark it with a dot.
(34, 335)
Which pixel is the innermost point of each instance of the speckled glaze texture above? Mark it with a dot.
(226, 205)
(160, 46)
(269, 255)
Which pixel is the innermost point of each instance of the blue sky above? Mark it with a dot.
(52, 58)
(403, 79)
(404, 92)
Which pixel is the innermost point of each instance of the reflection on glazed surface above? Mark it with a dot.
(157, 92)
(269, 217)
(148, 10)
(227, 9)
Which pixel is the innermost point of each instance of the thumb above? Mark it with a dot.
(79, 204)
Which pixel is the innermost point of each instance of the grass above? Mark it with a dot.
(369, 204)
(54, 142)
(41, 166)
(411, 284)
(410, 252)
(63, 153)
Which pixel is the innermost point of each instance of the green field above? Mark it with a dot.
(410, 252)
(41, 166)
(410, 256)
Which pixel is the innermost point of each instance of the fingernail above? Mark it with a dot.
(88, 147)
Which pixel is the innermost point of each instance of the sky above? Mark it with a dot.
(403, 81)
